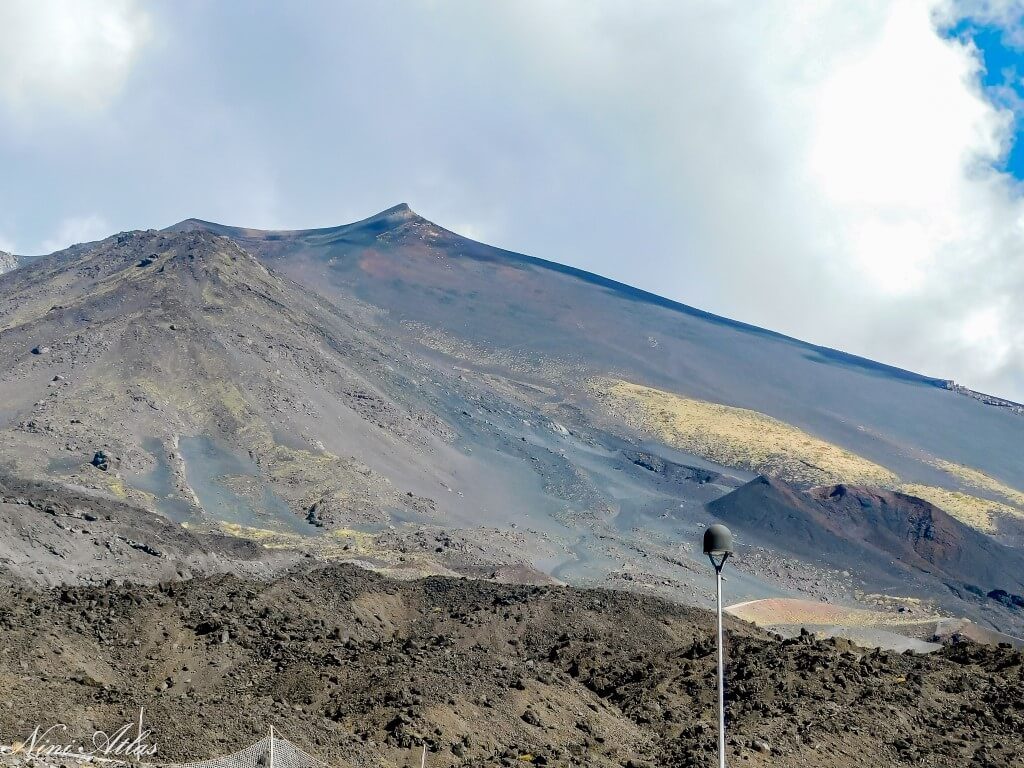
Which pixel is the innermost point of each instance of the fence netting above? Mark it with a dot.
(268, 752)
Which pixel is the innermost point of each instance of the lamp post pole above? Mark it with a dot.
(718, 547)
(721, 675)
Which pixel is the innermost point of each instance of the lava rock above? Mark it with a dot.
(101, 460)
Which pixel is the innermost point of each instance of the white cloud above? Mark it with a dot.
(72, 53)
(832, 161)
(824, 168)
(76, 229)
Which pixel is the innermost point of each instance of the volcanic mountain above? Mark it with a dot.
(391, 393)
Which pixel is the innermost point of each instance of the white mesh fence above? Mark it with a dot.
(268, 752)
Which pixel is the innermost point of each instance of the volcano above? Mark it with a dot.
(391, 393)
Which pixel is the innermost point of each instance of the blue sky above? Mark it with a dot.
(847, 173)
(1002, 59)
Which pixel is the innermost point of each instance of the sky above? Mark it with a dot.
(851, 174)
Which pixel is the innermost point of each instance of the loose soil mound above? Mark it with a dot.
(901, 544)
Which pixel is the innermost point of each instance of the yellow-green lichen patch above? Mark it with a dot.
(977, 479)
(971, 510)
(339, 544)
(737, 437)
(343, 544)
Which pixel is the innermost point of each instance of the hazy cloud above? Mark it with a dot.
(825, 169)
(74, 54)
(76, 229)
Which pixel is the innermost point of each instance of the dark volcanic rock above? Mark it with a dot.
(673, 471)
(484, 674)
(101, 460)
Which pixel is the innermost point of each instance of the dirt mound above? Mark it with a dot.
(362, 670)
(922, 535)
(866, 628)
(958, 630)
(780, 610)
(900, 543)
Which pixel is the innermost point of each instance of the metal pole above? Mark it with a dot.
(718, 543)
(721, 676)
(271, 747)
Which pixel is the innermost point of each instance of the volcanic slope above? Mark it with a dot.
(440, 405)
(174, 370)
(606, 360)
(363, 671)
(148, 338)
(606, 348)
(51, 534)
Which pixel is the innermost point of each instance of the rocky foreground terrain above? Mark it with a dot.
(362, 670)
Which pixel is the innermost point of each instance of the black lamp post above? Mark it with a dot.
(718, 547)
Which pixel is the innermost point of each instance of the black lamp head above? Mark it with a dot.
(717, 540)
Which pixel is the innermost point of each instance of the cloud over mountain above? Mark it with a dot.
(68, 55)
(826, 169)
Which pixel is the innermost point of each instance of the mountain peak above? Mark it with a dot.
(393, 216)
